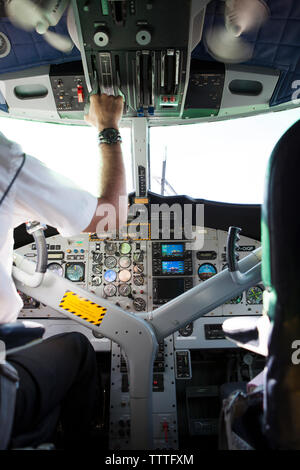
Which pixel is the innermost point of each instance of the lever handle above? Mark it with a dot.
(232, 244)
(232, 256)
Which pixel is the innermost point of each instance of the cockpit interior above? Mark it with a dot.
(191, 308)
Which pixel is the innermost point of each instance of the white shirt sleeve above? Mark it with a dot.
(44, 195)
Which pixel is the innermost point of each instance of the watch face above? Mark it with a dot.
(110, 134)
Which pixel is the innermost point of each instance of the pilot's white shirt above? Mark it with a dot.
(40, 194)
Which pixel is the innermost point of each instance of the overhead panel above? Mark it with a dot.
(137, 49)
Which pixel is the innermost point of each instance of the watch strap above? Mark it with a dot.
(103, 137)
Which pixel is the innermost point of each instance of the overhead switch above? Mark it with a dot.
(80, 94)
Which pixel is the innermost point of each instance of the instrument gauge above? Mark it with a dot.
(97, 268)
(110, 262)
(96, 281)
(138, 268)
(56, 268)
(125, 248)
(124, 261)
(138, 280)
(110, 290)
(75, 272)
(254, 295)
(206, 271)
(138, 257)
(124, 275)
(187, 330)
(139, 304)
(110, 275)
(97, 257)
(110, 248)
(124, 290)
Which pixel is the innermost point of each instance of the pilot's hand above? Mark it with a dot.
(105, 111)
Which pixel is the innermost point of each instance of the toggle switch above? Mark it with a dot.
(80, 94)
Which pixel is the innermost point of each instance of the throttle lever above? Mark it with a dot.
(95, 91)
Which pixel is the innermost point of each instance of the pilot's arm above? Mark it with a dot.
(49, 197)
(106, 112)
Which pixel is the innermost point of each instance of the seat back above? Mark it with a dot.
(14, 337)
(281, 277)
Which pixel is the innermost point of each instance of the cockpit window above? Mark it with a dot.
(70, 150)
(220, 161)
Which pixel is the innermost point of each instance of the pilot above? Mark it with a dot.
(57, 376)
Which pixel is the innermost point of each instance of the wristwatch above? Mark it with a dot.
(109, 136)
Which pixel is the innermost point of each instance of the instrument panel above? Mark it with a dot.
(140, 276)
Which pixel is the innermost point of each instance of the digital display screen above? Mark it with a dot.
(172, 267)
(56, 255)
(171, 250)
(167, 289)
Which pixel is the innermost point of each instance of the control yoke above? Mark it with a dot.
(36, 229)
(138, 335)
(232, 259)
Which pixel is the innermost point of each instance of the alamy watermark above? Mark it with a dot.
(153, 222)
(296, 94)
(2, 352)
(296, 354)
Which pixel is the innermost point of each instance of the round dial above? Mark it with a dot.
(75, 272)
(138, 268)
(110, 290)
(124, 290)
(124, 261)
(110, 262)
(110, 248)
(125, 248)
(124, 275)
(138, 257)
(110, 275)
(187, 330)
(56, 268)
(138, 280)
(139, 304)
(96, 281)
(97, 257)
(206, 270)
(97, 269)
(254, 295)
(235, 300)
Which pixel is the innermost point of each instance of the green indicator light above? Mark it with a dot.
(104, 4)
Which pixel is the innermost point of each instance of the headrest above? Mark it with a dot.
(280, 213)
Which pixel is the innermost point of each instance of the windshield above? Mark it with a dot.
(69, 150)
(220, 161)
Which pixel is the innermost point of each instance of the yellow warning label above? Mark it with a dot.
(82, 308)
(139, 200)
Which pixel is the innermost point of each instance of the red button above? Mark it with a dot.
(80, 94)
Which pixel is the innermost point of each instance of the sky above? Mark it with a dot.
(70, 150)
(221, 161)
